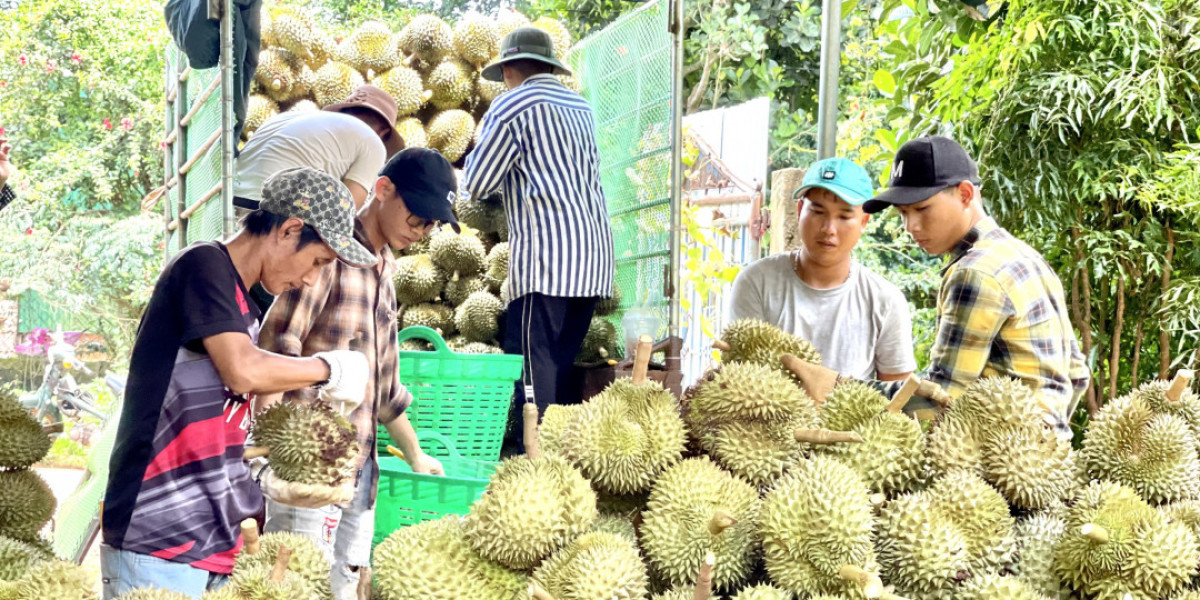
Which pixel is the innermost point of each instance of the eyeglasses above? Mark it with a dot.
(419, 223)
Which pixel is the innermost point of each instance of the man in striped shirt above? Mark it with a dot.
(537, 146)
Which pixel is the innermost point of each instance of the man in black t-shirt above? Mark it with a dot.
(178, 488)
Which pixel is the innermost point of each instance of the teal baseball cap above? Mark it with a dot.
(841, 176)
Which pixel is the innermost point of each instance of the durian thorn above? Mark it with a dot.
(1182, 380)
(877, 500)
(641, 359)
(454, 277)
(720, 521)
(904, 394)
(538, 593)
(825, 436)
(722, 345)
(370, 74)
(531, 430)
(426, 95)
(603, 352)
(871, 585)
(1094, 533)
(704, 580)
(281, 564)
(253, 452)
(250, 536)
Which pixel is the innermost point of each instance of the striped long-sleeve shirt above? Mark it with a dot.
(537, 146)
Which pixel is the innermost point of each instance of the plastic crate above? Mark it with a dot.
(406, 498)
(464, 397)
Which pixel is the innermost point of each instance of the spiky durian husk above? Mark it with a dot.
(433, 560)
(1153, 453)
(153, 593)
(438, 317)
(26, 504)
(457, 292)
(450, 133)
(22, 440)
(553, 426)
(309, 443)
(595, 565)
(451, 82)
(307, 560)
(1030, 465)
(997, 587)
(560, 37)
(1037, 538)
(56, 579)
(508, 21)
(371, 49)
(405, 86)
(478, 317)
(476, 38)
(16, 557)
(497, 266)
(334, 82)
(755, 341)
(599, 343)
(427, 38)
(416, 280)
(413, 132)
(891, 457)
(460, 254)
(259, 110)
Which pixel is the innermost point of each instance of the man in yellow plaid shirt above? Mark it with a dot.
(1001, 308)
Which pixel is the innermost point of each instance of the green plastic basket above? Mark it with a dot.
(406, 498)
(465, 397)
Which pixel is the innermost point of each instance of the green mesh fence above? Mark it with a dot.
(626, 75)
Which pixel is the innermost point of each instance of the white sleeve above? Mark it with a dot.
(745, 296)
(368, 162)
(894, 349)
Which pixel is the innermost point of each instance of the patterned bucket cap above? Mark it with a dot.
(321, 201)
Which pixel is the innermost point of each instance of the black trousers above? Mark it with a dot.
(548, 331)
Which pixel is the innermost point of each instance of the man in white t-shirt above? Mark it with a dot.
(858, 320)
(350, 140)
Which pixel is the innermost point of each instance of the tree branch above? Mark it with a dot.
(1114, 361)
(1164, 337)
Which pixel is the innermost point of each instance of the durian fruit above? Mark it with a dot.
(891, 456)
(476, 39)
(451, 82)
(16, 557)
(1115, 541)
(497, 266)
(450, 133)
(335, 81)
(599, 343)
(294, 29)
(559, 35)
(1037, 538)
(745, 416)
(438, 317)
(413, 132)
(508, 21)
(609, 306)
(56, 579)
(930, 542)
(416, 280)
(488, 90)
(259, 110)
(478, 317)
(595, 565)
(26, 504)
(1029, 464)
(1185, 406)
(624, 437)
(998, 587)
(304, 106)
(816, 527)
(153, 593)
(256, 582)
(427, 38)
(696, 508)
(276, 74)
(478, 348)
(8, 590)
(675, 594)
(761, 591)
(303, 85)
(619, 525)
(225, 592)
(460, 254)
(457, 291)
(370, 49)
(754, 341)
(404, 85)
(477, 214)
(309, 443)
(1153, 453)
(433, 560)
(531, 508)
(22, 440)
(307, 561)
(553, 426)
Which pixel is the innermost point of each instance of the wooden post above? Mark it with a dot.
(785, 218)
(531, 430)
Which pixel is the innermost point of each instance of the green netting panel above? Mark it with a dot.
(171, 199)
(626, 74)
(35, 311)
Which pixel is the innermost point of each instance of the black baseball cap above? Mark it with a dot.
(924, 167)
(425, 179)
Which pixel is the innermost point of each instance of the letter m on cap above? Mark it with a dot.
(898, 170)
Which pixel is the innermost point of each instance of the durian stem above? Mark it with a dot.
(281, 564)
(704, 581)
(538, 593)
(253, 452)
(1095, 533)
(1182, 380)
(720, 521)
(531, 430)
(904, 394)
(871, 585)
(641, 359)
(827, 437)
(602, 351)
(722, 345)
(250, 537)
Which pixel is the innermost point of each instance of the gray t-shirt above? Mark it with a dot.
(861, 327)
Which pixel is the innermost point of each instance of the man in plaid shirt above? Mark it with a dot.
(356, 309)
(1001, 309)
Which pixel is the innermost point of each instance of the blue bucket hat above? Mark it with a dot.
(841, 176)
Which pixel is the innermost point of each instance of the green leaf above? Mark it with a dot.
(884, 82)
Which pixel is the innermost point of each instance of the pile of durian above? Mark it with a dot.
(455, 284)
(429, 67)
(28, 568)
(747, 489)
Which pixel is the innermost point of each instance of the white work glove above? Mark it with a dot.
(305, 495)
(348, 375)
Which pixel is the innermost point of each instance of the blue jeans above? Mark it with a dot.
(123, 571)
